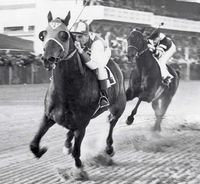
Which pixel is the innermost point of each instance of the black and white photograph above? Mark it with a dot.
(99, 91)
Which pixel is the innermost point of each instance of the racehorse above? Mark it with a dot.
(72, 98)
(145, 80)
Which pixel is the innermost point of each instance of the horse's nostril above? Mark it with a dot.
(51, 59)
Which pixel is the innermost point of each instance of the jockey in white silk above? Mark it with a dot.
(163, 49)
(95, 53)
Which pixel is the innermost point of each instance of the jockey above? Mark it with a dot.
(163, 49)
(95, 53)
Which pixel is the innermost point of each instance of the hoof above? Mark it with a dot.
(79, 174)
(110, 151)
(129, 120)
(38, 152)
(67, 151)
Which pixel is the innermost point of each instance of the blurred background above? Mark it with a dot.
(22, 20)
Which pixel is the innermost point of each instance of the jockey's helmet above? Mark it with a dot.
(80, 27)
(156, 34)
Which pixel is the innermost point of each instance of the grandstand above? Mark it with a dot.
(113, 19)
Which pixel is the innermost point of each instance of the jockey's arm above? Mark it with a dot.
(97, 54)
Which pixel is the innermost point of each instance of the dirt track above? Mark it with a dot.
(142, 157)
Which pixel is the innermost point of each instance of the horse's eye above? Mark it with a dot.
(63, 35)
(42, 35)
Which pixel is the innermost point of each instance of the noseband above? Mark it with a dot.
(59, 59)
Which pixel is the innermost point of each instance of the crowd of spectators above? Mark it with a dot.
(188, 48)
(18, 58)
(180, 9)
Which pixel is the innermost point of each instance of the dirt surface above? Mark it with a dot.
(141, 156)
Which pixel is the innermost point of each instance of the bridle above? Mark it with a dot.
(59, 58)
(139, 53)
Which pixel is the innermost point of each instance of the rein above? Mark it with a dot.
(129, 46)
(138, 53)
(69, 56)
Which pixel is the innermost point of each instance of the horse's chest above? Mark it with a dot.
(70, 116)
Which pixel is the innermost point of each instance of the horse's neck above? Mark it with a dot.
(146, 61)
(67, 75)
(68, 78)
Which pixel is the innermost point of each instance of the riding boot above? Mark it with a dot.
(103, 94)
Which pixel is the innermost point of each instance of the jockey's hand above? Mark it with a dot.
(151, 46)
(78, 46)
(158, 53)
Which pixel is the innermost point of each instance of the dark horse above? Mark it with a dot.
(73, 94)
(145, 80)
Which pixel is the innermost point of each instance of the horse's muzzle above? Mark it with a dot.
(49, 63)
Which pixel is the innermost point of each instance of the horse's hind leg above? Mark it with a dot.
(130, 118)
(109, 140)
(160, 107)
(68, 144)
(35, 143)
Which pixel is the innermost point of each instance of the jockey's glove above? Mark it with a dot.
(159, 53)
(78, 46)
(151, 46)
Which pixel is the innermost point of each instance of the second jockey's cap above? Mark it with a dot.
(80, 27)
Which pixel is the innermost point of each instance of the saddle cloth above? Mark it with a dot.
(111, 79)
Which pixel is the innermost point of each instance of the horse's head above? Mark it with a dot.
(57, 41)
(136, 43)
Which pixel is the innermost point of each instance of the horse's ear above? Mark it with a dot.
(49, 16)
(67, 18)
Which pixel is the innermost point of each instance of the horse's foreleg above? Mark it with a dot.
(78, 171)
(35, 143)
(129, 94)
(130, 118)
(68, 143)
(79, 134)
(160, 107)
(109, 148)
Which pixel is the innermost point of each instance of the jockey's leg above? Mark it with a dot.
(163, 69)
(102, 76)
(167, 77)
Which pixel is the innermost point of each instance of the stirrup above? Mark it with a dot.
(103, 101)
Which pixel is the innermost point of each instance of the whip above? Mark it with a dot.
(161, 24)
(85, 4)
